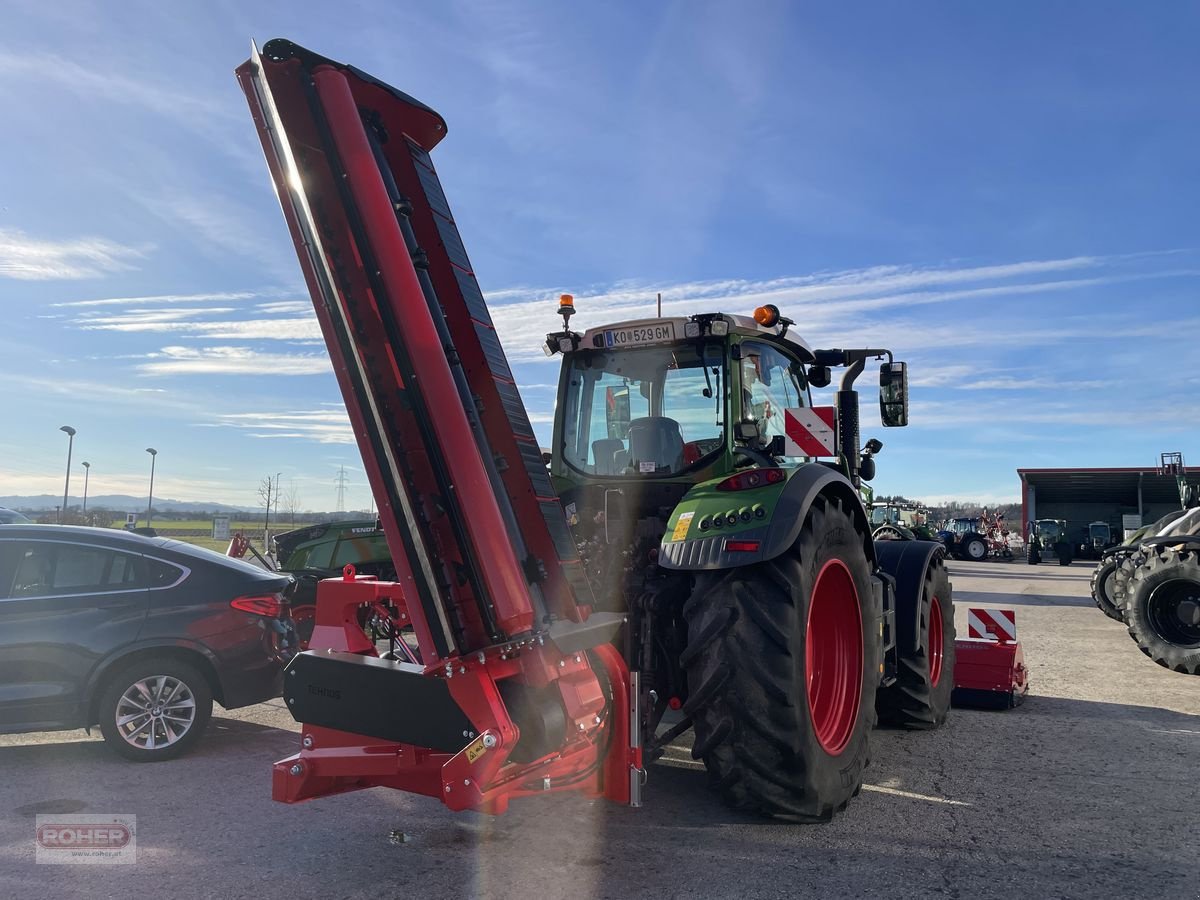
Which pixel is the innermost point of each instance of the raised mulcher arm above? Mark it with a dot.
(516, 687)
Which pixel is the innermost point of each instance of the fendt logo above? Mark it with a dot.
(113, 836)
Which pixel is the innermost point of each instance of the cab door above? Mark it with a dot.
(63, 607)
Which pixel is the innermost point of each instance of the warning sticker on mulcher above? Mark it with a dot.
(681, 526)
(476, 749)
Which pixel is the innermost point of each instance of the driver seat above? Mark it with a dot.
(657, 440)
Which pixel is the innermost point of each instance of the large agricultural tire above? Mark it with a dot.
(973, 547)
(782, 666)
(920, 697)
(1123, 578)
(1102, 579)
(1163, 609)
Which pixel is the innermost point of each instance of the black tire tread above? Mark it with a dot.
(1183, 564)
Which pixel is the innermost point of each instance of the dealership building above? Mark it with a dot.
(1124, 498)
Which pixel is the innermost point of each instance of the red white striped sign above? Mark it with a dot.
(810, 431)
(1000, 624)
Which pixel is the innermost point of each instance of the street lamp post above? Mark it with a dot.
(150, 500)
(87, 470)
(70, 432)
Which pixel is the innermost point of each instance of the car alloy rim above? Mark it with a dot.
(155, 712)
(936, 646)
(833, 656)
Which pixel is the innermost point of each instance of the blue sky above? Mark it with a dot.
(1005, 194)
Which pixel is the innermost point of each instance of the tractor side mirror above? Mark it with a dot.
(819, 376)
(893, 394)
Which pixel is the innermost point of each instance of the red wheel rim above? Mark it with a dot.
(833, 656)
(936, 646)
(304, 618)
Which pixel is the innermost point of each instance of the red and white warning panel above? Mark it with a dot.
(810, 431)
(989, 665)
(993, 624)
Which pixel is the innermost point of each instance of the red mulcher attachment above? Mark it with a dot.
(501, 681)
(989, 666)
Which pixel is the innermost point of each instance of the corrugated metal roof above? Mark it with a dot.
(1116, 485)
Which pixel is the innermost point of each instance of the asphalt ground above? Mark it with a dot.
(1087, 790)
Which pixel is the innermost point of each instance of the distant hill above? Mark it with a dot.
(123, 503)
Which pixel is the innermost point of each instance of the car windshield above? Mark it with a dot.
(644, 411)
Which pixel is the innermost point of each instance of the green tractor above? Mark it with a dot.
(1049, 537)
(901, 522)
(323, 551)
(757, 602)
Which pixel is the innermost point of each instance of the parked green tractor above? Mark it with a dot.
(757, 599)
(901, 522)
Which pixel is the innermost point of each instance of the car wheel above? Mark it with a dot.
(155, 709)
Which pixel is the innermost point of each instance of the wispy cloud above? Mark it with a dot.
(104, 85)
(216, 296)
(233, 361)
(36, 259)
(323, 426)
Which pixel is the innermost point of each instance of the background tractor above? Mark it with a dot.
(1048, 537)
(697, 546)
(963, 539)
(901, 522)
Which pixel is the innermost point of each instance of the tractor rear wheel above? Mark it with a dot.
(782, 665)
(1163, 609)
(920, 696)
(1102, 585)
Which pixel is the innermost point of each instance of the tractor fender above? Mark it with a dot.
(684, 549)
(907, 562)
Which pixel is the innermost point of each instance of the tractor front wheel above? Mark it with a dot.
(782, 665)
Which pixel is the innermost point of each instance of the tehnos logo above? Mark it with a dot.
(113, 836)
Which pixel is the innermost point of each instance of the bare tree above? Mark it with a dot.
(266, 493)
(291, 502)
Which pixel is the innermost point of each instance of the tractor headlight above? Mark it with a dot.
(691, 330)
(719, 328)
(565, 345)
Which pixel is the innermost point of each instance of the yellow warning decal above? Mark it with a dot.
(476, 749)
(681, 526)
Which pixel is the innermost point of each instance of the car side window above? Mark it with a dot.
(10, 552)
(76, 568)
(34, 571)
(45, 568)
(161, 574)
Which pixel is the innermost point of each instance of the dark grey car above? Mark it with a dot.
(137, 635)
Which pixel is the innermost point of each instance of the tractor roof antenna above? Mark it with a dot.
(660, 304)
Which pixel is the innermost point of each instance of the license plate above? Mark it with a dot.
(640, 334)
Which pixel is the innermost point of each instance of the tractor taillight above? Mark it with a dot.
(742, 546)
(270, 605)
(750, 479)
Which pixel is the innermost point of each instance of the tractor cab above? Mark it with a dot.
(653, 413)
(674, 399)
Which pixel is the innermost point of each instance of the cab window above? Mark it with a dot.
(771, 382)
